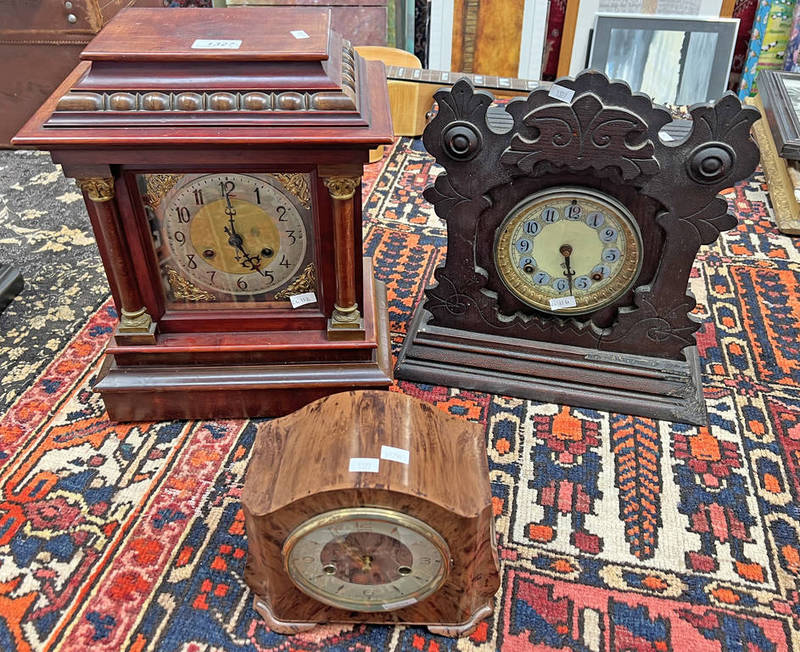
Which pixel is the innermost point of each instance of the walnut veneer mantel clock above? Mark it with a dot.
(220, 154)
(571, 236)
(366, 524)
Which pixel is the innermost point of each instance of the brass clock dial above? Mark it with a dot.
(568, 250)
(366, 559)
(230, 236)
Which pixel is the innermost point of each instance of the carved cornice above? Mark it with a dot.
(342, 188)
(98, 189)
(216, 101)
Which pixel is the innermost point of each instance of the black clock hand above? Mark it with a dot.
(236, 240)
(566, 251)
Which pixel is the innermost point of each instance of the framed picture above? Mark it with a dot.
(580, 15)
(673, 59)
(780, 95)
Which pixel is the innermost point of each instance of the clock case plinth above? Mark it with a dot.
(637, 355)
(295, 474)
(252, 98)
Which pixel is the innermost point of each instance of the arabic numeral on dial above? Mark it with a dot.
(227, 187)
(184, 216)
(582, 282)
(532, 227)
(258, 196)
(281, 213)
(198, 197)
(611, 255)
(180, 238)
(595, 219)
(608, 235)
(269, 276)
(560, 285)
(284, 262)
(527, 264)
(601, 272)
(211, 275)
(292, 237)
(524, 246)
(550, 215)
(541, 278)
(190, 261)
(241, 283)
(574, 211)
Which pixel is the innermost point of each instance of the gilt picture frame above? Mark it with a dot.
(780, 95)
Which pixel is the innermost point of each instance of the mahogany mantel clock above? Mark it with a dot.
(571, 237)
(220, 154)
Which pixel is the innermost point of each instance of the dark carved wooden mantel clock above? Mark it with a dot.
(220, 154)
(571, 237)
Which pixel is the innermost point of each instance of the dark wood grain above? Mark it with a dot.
(295, 474)
(605, 139)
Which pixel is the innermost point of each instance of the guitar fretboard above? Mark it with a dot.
(444, 78)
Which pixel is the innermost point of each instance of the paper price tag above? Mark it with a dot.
(394, 454)
(364, 465)
(665, 136)
(560, 303)
(298, 300)
(299, 33)
(216, 44)
(561, 93)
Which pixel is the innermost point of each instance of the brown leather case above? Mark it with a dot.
(40, 42)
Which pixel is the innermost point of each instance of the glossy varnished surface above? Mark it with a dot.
(300, 468)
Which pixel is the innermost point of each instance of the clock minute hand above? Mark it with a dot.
(566, 251)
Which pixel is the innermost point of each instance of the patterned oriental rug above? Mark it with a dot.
(615, 533)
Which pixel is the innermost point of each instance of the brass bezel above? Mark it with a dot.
(523, 291)
(366, 514)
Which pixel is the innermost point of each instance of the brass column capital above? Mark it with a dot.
(99, 189)
(342, 188)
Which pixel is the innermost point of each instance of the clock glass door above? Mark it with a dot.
(231, 239)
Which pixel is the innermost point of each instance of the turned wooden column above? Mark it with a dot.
(135, 324)
(346, 315)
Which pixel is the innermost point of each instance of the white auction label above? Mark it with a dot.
(364, 465)
(299, 33)
(216, 44)
(560, 303)
(298, 300)
(561, 93)
(394, 454)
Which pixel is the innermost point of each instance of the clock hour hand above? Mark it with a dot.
(236, 241)
(566, 251)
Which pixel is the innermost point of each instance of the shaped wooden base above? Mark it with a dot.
(234, 383)
(262, 606)
(10, 285)
(615, 382)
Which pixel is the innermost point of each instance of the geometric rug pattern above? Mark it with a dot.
(614, 532)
